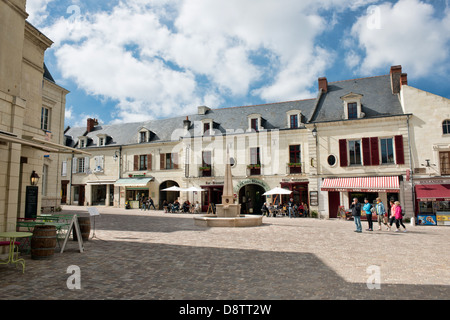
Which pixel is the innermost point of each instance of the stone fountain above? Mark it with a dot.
(228, 212)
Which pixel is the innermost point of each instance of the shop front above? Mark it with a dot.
(342, 191)
(133, 190)
(101, 192)
(299, 190)
(211, 196)
(433, 202)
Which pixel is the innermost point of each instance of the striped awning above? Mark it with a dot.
(362, 184)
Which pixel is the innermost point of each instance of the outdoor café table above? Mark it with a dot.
(13, 235)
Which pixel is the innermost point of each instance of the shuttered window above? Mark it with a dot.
(343, 153)
(399, 151)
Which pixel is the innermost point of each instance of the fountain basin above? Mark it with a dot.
(211, 220)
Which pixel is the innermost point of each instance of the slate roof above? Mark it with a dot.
(377, 101)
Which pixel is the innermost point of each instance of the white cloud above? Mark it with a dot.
(409, 34)
(163, 58)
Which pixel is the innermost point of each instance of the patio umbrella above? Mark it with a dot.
(195, 189)
(277, 190)
(173, 188)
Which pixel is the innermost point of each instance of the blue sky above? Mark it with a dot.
(126, 61)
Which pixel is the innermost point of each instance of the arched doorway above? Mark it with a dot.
(251, 198)
(169, 196)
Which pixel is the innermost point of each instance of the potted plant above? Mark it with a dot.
(294, 164)
(205, 168)
(254, 166)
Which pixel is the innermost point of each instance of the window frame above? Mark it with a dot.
(392, 146)
(45, 119)
(446, 127)
(353, 107)
(296, 153)
(350, 159)
(143, 162)
(444, 170)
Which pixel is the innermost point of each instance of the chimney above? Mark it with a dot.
(396, 72)
(323, 84)
(91, 123)
(186, 123)
(403, 79)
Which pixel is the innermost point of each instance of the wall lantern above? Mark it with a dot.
(34, 178)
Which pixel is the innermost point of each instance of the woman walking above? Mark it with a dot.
(399, 217)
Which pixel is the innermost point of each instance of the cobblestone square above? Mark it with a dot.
(152, 255)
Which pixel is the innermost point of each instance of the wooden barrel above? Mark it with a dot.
(43, 242)
(85, 228)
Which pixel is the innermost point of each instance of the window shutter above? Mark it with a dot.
(374, 151)
(64, 169)
(343, 152)
(175, 160)
(162, 160)
(86, 164)
(74, 165)
(136, 163)
(399, 152)
(367, 161)
(149, 162)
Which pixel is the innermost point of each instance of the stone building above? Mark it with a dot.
(32, 110)
(355, 139)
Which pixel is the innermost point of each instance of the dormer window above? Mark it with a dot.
(293, 119)
(142, 137)
(82, 142)
(208, 129)
(145, 135)
(352, 106)
(352, 110)
(254, 122)
(101, 140)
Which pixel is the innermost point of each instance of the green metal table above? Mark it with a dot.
(12, 239)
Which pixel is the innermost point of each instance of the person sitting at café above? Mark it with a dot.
(265, 210)
(186, 206)
(175, 206)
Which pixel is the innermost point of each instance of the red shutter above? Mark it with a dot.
(367, 161)
(343, 152)
(399, 152)
(162, 160)
(374, 151)
(136, 163)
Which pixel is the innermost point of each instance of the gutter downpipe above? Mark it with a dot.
(413, 221)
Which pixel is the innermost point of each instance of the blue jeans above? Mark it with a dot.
(291, 212)
(358, 223)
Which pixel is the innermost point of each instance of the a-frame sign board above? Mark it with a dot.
(74, 224)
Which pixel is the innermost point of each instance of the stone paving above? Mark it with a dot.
(153, 255)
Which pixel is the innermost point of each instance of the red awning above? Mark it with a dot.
(362, 184)
(433, 191)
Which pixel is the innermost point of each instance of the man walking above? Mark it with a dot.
(291, 208)
(356, 213)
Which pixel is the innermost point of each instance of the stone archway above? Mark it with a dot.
(250, 195)
(169, 196)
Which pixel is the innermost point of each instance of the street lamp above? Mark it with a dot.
(34, 178)
(314, 132)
